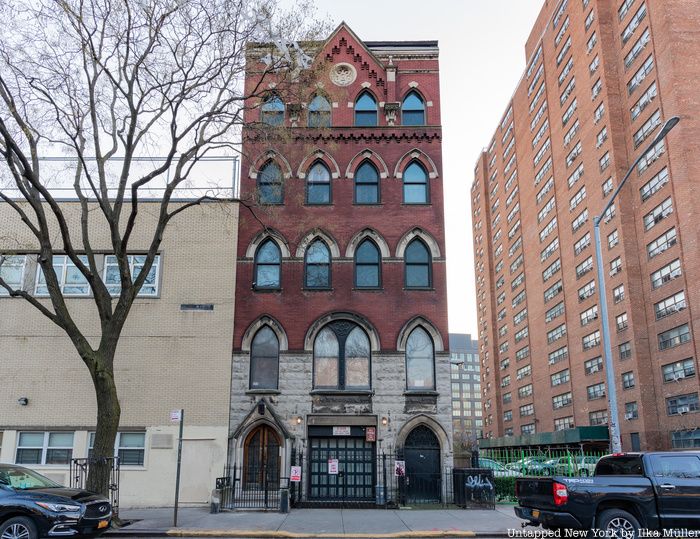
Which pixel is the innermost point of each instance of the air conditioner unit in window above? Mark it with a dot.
(594, 369)
(629, 415)
(683, 410)
(678, 376)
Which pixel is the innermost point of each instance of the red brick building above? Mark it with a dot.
(601, 77)
(340, 342)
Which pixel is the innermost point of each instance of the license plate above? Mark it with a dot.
(535, 513)
(102, 524)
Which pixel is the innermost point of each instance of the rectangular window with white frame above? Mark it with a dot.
(12, 269)
(136, 263)
(71, 280)
(130, 447)
(44, 448)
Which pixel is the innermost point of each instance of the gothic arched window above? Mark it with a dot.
(268, 261)
(413, 110)
(342, 357)
(420, 361)
(264, 359)
(366, 110)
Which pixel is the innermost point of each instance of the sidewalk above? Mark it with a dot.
(309, 523)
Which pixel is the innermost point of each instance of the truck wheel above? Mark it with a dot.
(19, 528)
(618, 524)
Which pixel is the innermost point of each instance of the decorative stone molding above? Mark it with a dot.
(261, 322)
(372, 234)
(428, 326)
(361, 321)
(262, 236)
(429, 422)
(418, 232)
(413, 84)
(319, 155)
(294, 110)
(321, 234)
(343, 74)
(270, 155)
(391, 111)
(417, 155)
(374, 157)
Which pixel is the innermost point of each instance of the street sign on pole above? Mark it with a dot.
(178, 415)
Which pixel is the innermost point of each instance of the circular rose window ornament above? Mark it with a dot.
(343, 74)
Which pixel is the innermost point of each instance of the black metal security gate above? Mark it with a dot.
(355, 480)
(423, 474)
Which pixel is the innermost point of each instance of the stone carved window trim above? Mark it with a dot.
(428, 326)
(260, 238)
(263, 158)
(254, 327)
(427, 238)
(317, 233)
(318, 155)
(364, 323)
(372, 234)
(370, 155)
(416, 155)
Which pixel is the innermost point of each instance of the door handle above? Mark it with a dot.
(667, 486)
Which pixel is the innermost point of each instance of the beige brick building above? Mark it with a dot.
(170, 356)
(602, 76)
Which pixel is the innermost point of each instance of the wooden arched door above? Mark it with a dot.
(261, 459)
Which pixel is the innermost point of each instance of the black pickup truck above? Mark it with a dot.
(628, 492)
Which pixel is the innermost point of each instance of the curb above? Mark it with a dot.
(273, 534)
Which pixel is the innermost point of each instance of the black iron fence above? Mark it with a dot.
(80, 468)
(383, 481)
(246, 488)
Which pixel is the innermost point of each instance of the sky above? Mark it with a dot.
(482, 57)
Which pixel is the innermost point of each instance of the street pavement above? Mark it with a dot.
(321, 523)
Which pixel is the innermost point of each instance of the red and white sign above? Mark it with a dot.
(333, 466)
(371, 434)
(295, 475)
(176, 416)
(400, 468)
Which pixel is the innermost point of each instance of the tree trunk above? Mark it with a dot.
(108, 414)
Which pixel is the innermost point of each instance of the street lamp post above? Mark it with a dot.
(613, 422)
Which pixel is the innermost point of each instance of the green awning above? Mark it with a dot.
(576, 435)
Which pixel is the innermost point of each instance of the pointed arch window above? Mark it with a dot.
(272, 111)
(420, 361)
(264, 359)
(317, 265)
(270, 184)
(366, 184)
(418, 264)
(268, 260)
(342, 357)
(413, 110)
(318, 184)
(415, 184)
(366, 110)
(368, 265)
(319, 112)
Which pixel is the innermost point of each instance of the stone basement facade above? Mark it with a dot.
(340, 343)
(601, 78)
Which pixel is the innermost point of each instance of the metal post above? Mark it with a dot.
(179, 463)
(613, 423)
(613, 420)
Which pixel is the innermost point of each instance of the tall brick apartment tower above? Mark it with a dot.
(601, 77)
(341, 344)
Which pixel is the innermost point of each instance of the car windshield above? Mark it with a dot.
(23, 479)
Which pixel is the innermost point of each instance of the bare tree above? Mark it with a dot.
(104, 82)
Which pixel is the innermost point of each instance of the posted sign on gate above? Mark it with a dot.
(370, 434)
(295, 475)
(333, 466)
